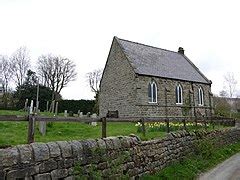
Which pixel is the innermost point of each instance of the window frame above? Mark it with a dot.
(200, 96)
(179, 97)
(151, 97)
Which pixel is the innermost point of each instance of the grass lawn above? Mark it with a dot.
(13, 133)
(192, 166)
(22, 113)
(8, 112)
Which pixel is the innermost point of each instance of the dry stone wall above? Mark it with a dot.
(107, 158)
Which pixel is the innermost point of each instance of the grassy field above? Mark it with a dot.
(190, 168)
(13, 133)
(22, 113)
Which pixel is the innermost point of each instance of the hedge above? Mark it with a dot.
(84, 106)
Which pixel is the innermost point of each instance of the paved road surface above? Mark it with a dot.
(228, 170)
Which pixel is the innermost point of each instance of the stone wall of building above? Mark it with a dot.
(117, 89)
(166, 98)
(108, 158)
(123, 90)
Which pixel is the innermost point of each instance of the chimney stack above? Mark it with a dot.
(181, 50)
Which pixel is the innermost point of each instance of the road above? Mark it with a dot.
(227, 170)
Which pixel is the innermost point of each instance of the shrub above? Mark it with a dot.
(84, 106)
(204, 148)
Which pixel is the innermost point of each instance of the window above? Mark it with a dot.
(152, 92)
(179, 98)
(200, 96)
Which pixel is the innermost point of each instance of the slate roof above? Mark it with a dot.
(153, 61)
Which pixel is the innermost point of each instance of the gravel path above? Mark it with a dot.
(227, 170)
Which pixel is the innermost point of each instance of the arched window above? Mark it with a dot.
(152, 92)
(179, 96)
(200, 97)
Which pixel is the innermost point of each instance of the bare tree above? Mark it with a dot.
(94, 79)
(223, 93)
(20, 63)
(230, 84)
(6, 72)
(56, 72)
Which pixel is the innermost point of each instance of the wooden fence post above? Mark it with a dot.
(195, 119)
(205, 122)
(213, 123)
(143, 127)
(167, 123)
(104, 127)
(31, 122)
(184, 124)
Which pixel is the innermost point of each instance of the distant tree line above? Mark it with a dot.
(20, 82)
(53, 74)
(228, 102)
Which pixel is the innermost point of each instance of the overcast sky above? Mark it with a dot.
(209, 31)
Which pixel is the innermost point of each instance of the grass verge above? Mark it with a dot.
(205, 157)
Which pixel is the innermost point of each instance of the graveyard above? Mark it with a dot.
(14, 133)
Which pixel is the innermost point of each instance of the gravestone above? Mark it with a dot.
(94, 116)
(25, 106)
(35, 110)
(31, 107)
(70, 114)
(65, 113)
(53, 105)
(56, 108)
(88, 114)
(81, 114)
(47, 106)
(42, 127)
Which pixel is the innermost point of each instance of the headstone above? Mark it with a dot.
(50, 108)
(25, 106)
(47, 106)
(88, 114)
(42, 127)
(94, 116)
(53, 105)
(70, 113)
(237, 123)
(81, 114)
(65, 113)
(37, 106)
(31, 107)
(28, 109)
(78, 112)
(56, 108)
